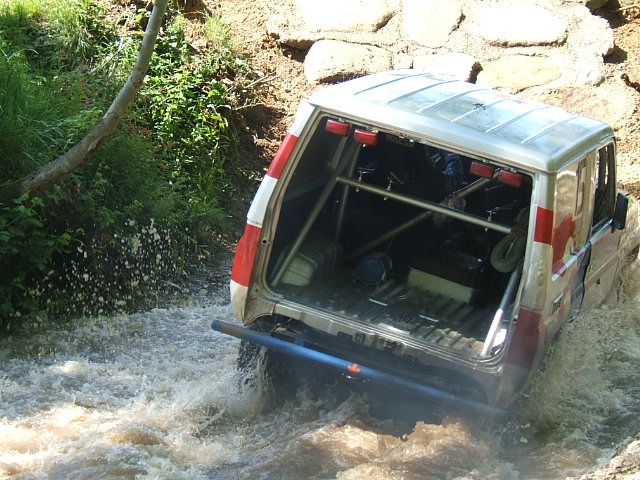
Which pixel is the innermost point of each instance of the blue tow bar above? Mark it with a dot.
(353, 369)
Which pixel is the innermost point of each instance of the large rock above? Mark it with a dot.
(430, 22)
(344, 15)
(331, 60)
(540, 34)
(300, 23)
(459, 66)
(590, 39)
(518, 25)
(517, 72)
(590, 34)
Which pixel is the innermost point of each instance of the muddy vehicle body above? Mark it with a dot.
(435, 232)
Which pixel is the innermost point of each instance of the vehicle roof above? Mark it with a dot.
(483, 121)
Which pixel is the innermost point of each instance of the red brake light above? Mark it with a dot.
(365, 137)
(510, 178)
(482, 169)
(339, 128)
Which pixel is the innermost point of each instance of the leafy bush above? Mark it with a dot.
(26, 248)
(188, 102)
(153, 199)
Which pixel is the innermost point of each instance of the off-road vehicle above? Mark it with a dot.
(431, 234)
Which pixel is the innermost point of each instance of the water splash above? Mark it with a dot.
(156, 395)
(584, 402)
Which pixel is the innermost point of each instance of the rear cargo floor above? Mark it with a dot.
(403, 310)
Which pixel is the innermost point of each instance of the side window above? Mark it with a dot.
(571, 225)
(605, 188)
(582, 223)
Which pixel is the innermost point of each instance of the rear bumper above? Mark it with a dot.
(356, 370)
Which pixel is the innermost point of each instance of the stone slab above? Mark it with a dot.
(518, 25)
(517, 72)
(430, 22)
(344, 15)
(331, 60)
(459, 66)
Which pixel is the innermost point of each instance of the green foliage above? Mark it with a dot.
(44, 104)
(26, 247)
(17, 113)
(188, 101)
(153, 199)
(56, 35)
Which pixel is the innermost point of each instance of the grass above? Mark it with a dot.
(169, 169)
(216, 33)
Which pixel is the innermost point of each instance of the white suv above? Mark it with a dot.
(431, 234)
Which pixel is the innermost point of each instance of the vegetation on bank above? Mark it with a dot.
(153, 201)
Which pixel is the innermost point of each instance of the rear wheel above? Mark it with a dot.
(267, 371)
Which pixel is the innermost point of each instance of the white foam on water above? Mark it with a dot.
(156, 395)
(131, 392)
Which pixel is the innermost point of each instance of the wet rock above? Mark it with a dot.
(368, 470)
(354, 15)
(517, 72)
(450, 65)
(595, 4)
(330, 60)
(429, 22)
(9, 469)
(518, 25)
(621, 466)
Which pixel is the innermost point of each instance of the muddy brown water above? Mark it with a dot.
(156, 395)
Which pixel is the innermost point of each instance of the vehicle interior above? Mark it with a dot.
(403, 236)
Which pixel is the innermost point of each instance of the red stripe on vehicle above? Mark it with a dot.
(544, 226)
(282, 156)
(524, 345)
(246, 255)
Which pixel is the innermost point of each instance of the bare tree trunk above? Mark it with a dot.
(88, 146)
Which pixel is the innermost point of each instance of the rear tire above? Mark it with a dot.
(268, 372)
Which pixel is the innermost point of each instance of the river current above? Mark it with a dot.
(156, 395)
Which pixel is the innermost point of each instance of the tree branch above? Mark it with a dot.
(88, 146)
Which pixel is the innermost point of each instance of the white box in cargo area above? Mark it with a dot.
(441, 286)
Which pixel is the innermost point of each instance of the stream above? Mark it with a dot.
(156, 395)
